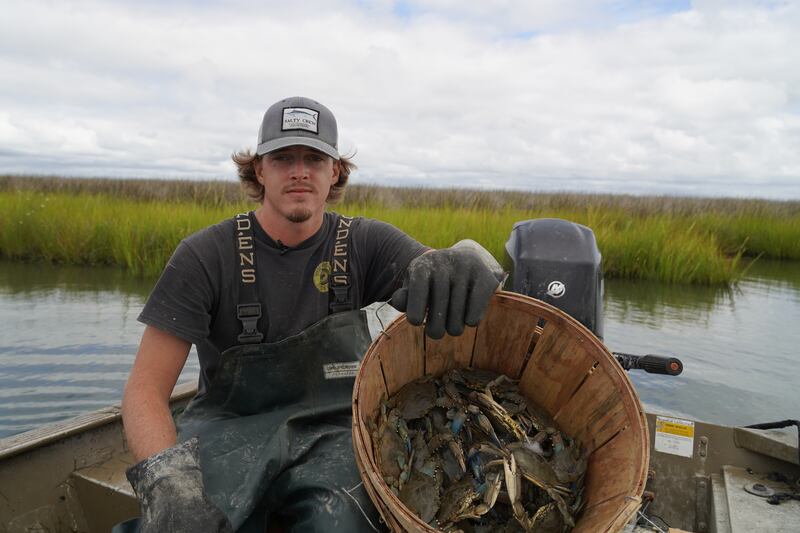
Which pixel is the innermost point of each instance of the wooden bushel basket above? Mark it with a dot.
(561, 366)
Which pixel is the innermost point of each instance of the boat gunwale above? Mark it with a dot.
(50, 433)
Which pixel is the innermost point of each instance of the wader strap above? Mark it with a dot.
(249, 310)
(340, 298)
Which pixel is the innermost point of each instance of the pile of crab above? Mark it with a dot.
(468, 452)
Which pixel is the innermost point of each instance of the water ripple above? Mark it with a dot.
(87, 349)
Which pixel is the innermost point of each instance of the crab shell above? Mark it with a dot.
(415, 399)
(421, 495)
(457, 498)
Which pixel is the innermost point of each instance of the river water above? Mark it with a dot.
(68, 337)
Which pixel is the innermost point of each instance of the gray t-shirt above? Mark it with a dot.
(195, 299)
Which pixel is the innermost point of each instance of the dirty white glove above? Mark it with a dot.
(169, 486)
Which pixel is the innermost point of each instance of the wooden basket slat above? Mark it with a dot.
(631, 504)
(386, 515)
(399, 518)
(609, 473)
(369, 396)
(402, 355)
(558, 365)
(609, 516)
(362, 445)
(380, 492)
(449, 352)
(595, 413)
(504, 336)
(407, 520)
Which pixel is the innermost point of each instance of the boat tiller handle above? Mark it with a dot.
(652, 364)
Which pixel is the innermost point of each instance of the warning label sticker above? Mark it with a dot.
(674, 436)
(340, 370)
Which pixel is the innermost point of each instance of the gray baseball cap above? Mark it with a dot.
(298, 120)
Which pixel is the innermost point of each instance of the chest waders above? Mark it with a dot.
(275, 423)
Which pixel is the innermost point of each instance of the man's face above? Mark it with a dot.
(296, 180)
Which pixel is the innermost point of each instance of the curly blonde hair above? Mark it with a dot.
(246, 168)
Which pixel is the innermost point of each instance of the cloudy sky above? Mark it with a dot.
(663, 97)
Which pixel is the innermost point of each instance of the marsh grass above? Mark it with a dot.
(136, 224)
(97, 229)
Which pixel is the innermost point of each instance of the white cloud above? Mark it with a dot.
(510, 94)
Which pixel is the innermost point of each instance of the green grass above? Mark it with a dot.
(769, 235)
(136, 224)
(97, 229)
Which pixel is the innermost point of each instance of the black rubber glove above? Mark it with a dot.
(453, 285)
(169, 486)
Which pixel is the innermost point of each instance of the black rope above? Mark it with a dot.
(778, 425)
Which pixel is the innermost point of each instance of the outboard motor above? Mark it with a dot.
(558, 262)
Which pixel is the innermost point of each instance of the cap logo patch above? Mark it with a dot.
(300, 118)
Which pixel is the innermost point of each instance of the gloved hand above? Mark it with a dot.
(169, 486)
(453, 285)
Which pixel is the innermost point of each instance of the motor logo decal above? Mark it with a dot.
(556, 289)
(300, 118)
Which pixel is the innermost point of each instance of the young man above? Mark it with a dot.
(271, 299)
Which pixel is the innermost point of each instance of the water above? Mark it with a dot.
(68, 337)
(740, 347)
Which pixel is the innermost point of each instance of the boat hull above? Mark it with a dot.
(71, 476)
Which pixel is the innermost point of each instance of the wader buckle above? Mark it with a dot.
(340, 300)
(249, 314)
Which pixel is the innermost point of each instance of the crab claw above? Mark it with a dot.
(475, 464)
(457, 419)
(493, 483)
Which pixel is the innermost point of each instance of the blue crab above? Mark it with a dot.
(391, 451)
(416, 398)
(568, 463)
(497, 414)
(421, 493)
(457, 501)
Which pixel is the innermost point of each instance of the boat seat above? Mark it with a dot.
(104, 493)
(778, 443)
(107, 498)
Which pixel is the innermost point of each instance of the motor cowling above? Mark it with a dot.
(557, 261)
